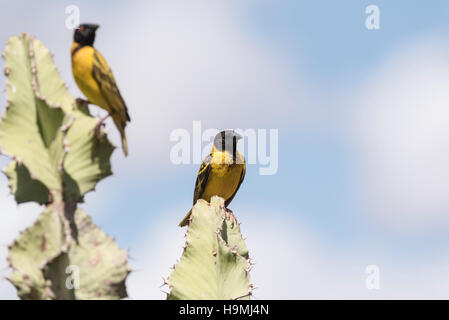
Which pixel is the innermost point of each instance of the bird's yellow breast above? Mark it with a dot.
(224, 177)
(82, 63)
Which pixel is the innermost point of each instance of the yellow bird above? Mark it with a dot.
(96, 81)
(221, 173)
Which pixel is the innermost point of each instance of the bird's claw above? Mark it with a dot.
(82, 101)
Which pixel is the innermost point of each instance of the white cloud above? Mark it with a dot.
(402, 125)
(177, 62)
(295, 261)
(157, 251)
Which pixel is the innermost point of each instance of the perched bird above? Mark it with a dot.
(221, 173)
(95, 79)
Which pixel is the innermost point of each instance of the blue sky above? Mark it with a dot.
(362, 125)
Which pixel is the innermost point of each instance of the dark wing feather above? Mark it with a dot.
(242, 176)
(201, 179)
(109, 90)
(200, 185)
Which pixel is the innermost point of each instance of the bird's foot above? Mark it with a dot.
(82, 101)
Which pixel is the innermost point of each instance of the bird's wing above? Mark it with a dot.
(242, 176)
(201, 179)
(109, 90)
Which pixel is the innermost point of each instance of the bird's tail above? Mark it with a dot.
(121, 128)
(124, 144)
(185, 221)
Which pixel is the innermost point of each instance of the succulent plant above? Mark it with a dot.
(215, 263)
(57, 159)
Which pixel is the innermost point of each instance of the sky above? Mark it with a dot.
(363, 128)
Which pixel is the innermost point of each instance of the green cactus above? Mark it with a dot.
(215, 262)
(56, 160)
(42, 265)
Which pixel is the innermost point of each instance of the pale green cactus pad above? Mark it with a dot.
(42, 128)
(93, 267)
(215, 263)
(23, 187)
(56, 159)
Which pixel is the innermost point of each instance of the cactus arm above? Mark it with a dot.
(215, 263)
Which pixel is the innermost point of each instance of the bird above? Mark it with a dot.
(221, 173)
(96, 81)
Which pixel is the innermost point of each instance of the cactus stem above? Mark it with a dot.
(60, 201)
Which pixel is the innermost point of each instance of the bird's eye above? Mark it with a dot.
(81, 29)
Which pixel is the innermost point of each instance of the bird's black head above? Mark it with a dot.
(227, 140)
(85, 34)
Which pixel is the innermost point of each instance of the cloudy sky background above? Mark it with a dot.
(363, 120)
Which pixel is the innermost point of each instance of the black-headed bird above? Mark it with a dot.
(95, 79)
(221, 173)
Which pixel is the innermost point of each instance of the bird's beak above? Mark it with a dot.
(95, 26)
(237, 136)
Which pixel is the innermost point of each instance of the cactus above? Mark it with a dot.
(215, 262)
(41, 264)
(56, 160)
